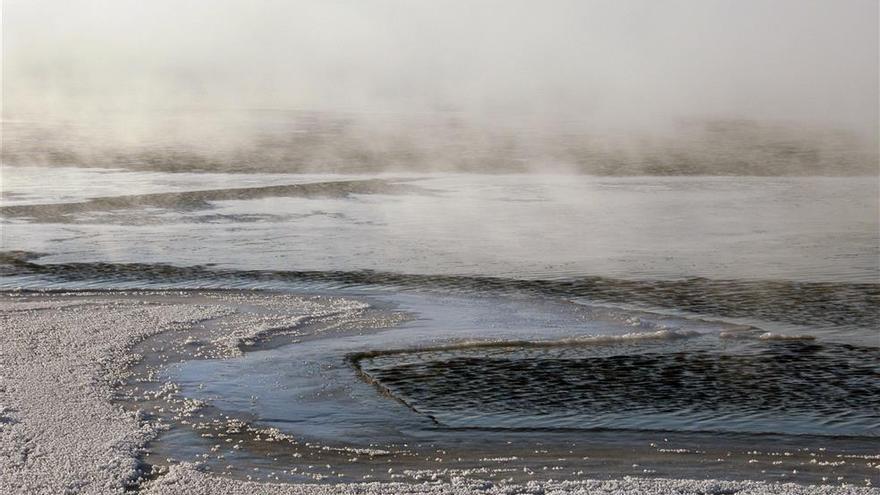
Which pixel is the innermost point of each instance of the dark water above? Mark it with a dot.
(754, 388)
(822, 303)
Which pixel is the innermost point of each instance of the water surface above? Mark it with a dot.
(729, 312)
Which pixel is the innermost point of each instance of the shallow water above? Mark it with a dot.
(592, 390)
(515, 365)
(731, 312)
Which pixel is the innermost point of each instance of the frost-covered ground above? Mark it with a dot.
(61, 355)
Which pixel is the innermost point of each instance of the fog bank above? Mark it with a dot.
(597, 86)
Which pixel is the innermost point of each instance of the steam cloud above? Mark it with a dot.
(709, 86)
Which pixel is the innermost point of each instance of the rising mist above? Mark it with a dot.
(716, 87)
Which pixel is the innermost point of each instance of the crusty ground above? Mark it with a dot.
(184, 478)
(60, 432)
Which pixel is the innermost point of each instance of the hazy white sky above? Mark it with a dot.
(621, 62)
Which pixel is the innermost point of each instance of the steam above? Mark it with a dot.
(398, 82)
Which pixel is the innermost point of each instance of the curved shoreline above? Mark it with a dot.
(64, 354)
